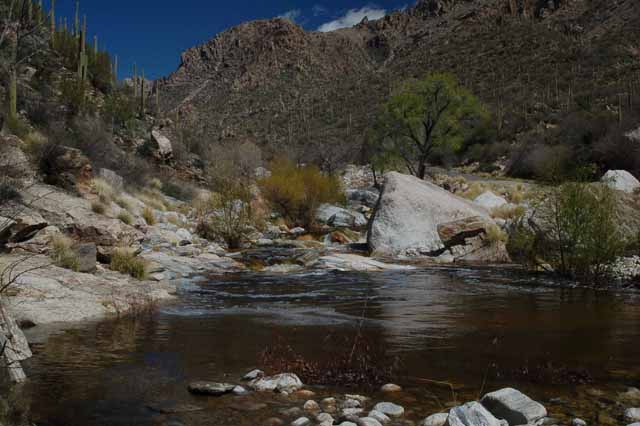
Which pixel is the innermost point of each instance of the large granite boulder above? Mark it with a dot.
(164, 147)
(621, 180)
(417, 216)
(513, 406)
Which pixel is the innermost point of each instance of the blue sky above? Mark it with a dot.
(153, 33)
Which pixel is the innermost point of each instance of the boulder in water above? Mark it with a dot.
(513, 406)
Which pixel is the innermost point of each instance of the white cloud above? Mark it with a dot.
(353, 17)
(292, 15)
(319, 10)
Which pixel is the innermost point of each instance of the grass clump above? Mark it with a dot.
(495, 235)
(125, 261)
(508, 212)
(149, 216)
(125, 217)
(475, 190)
(98, 208)
(297, 192)
(104, 190)
(62, 253)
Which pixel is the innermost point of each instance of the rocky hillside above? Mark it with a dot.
(272, 83)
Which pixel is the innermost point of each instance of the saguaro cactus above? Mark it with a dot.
(142, 98)
(13, 95)
(52, 15)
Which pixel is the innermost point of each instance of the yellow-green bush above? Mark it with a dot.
(297, 192)
(508, 212)
(104, 190)
(125, 261)
(149, 216)
(495, 235)
(62, 253)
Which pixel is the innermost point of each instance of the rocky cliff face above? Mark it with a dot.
(314, 94)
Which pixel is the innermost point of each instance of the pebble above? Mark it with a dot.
(632, 414)
(311, 405)
(381, 417)
(369, 421)
(305, 393)
(352, 411)
(302, 421)
(239, 390)
(390, 387)
(291, 412)
(357, 397)
(351, 403)
(210, 388)
(329, 401)
(253, 374)
(348, 424)
(324, 418)
(274, 421)
(390, 409)
(578, 422)
(439, 419)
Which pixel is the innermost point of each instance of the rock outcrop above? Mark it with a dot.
(621, 180)
(414, 217)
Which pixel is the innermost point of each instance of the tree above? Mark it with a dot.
(435, 112)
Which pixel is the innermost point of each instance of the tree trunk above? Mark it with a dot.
(14, 347)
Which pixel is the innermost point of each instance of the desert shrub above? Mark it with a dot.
(232, 160)
(297, 192)
(123, 203)
(494, 234)
(522, 245)
(125, 217)
(474, 191)
(227, 214)
(103, 189)
(62, 253)
(508, 212)
(179, 190)
(149, 216)
(17, 126)
(153, 199)
(580, 236)
(98, 207)
(125, 261)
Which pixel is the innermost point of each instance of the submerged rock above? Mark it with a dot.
(286, 382)
(210, 388)
(513, 406)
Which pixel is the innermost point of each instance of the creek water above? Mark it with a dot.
(479, 329)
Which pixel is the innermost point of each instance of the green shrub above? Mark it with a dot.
(495, 235)
(125, 261)
(580, 235)
(62, 253)
(103, 189)
(297, 192)
(125, 217)
(149, 216)
(227, 214)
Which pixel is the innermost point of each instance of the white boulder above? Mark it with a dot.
(471, 414)
(409, 213)
(513, 406)
(621, 180)
(490, 201)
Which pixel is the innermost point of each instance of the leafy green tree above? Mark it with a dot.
(433, 113)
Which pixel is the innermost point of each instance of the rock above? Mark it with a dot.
(261, 173)
(439, 419)
(87, 257)
(328, 402)
(513, 406)
(305, 393)
(115, 180)
(471, 414)
(381, 417)
(286, 382)
(578, 422)
(365, 197)
(634, 135)
(632, 414)
(621, 180)
(368, 421)
(184, 235)
(311, 406)
(239, 390)
(490, 201)
(66, 167)
(350, 412)
(302, 421)
(324, 418)
(360, 398)
(409, 213)
(253, 374)
(389, 408)
(339, 218)
(23, 226)
(348, 424)
(630, 395)
(13, 161)
(165, 149)
(457, 232)
(210, 388)
(351, 403)
(291, 412)
(390, 387)
(39, 243)
(273, 421)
